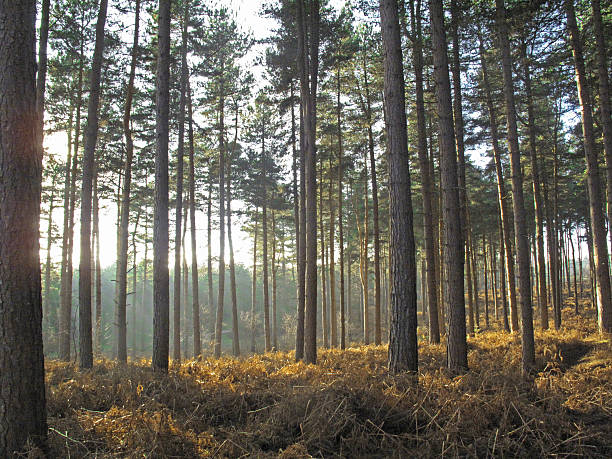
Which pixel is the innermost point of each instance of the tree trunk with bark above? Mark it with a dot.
(403, 329)
(161, 278)
(600, 246)
(453, 238)
(22, 397)
(90, 137)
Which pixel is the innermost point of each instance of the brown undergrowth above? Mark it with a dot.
(347, 405)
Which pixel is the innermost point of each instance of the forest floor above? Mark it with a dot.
(347, 405)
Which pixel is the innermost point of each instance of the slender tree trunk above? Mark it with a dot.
(121, 300)
(46, 303)
(161, 278)
(197, 344)
(502, 277)
(221, 295)
(301, 259)
(600, 245)
(332, 265)
(486, 279)
(340, 213)
(537, 194)
(264, 225)
(98, 268)
(520, 224)
(426, 178)
(180, 153)
(308, 68)
(403, 331)
(254, 286)
(274, 269)
(493, 258)
(209, 275)
(501, 193)
(22, 397)
(605, 110)
(235, 336)
(575, 281)
(324, 318)
(470, 292)
(90, 138)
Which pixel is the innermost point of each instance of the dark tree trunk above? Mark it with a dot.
(235, 337)
(211, 293)
(180, 154)
(308, 68)
(125, 202)
(600, 246)
(161, 280)
(22, 397)
(254, 285)
(426, 179)
(537, 193)
(46, 298)
(604, 96)
(197, 344)
(453, 238)
(340, 213)
(402, 334)
(501, 193)
(90, 138)
(521, 232)
(98, 267)
(221, 294)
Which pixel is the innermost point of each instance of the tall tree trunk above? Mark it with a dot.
(493, 259)
(274, 270)
(308, 68)
(537, 194)
(195, 296)
(235, 336)
(332, 265)
(600, 245)
(161, 278)
(64, 309)
(501, 193)
(340, 212)
(503, 269)
(22, 397)
(254, 285)
(221, 294)
(264, 225)
(520, 224)
(605, 110)
(403, 330)
(180, 153)
(121, 300)
(324, 318)
(574, 266)
(46, 304)
(486, 278)
(453, 239)
(375, 207)
(90, 138)
(98, 267)
(209, 278)
(426, 179)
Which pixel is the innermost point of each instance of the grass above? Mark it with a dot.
(347, 405)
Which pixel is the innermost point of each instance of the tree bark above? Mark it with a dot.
(453, 238)
(605, 111)
(254, 285)
(125, 202)
(501, 193)
(221, 294)
(403, 329)
(90, 138)
(521, 232)
(161, 278)
(604, 301)
(180, 153)
(195, 296)
(22, 397)
(340, 212)
(308, 68)
(235, 336)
